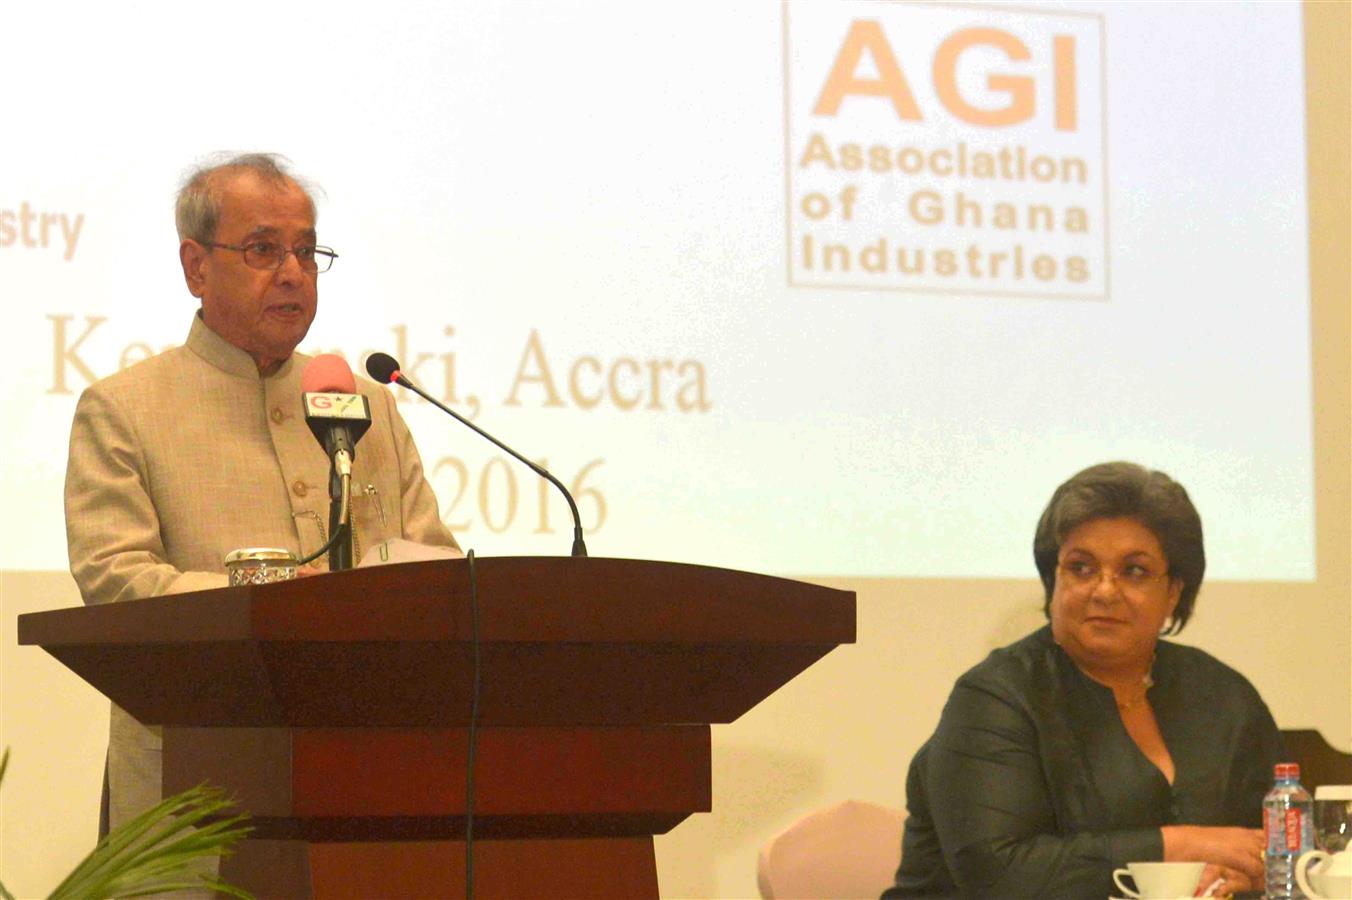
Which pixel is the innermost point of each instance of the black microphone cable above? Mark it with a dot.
(473, 735)
(344, 528)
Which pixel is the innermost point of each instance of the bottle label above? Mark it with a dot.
(1293, 830)
(1287, 830)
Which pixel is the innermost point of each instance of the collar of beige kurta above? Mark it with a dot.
(222, 354)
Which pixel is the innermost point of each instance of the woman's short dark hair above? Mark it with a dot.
(1126, 490)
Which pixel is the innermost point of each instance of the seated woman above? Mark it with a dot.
(1092, 743)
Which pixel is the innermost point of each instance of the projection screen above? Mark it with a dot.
(834, 288)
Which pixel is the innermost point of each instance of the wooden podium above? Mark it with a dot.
(335, 710)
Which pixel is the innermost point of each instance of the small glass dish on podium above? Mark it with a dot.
(260, 565)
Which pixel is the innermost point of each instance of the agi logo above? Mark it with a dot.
(945, 148)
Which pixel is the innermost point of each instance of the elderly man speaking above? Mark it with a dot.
(204, 449)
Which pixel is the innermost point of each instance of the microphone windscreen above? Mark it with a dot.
(328, 373)
(382, 367)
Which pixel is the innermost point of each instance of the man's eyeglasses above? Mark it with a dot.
(271, 255)
(1085, 575)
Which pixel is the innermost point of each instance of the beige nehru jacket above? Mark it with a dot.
(182, 458)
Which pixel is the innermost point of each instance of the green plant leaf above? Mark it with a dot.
(4, 764)
(157, 850)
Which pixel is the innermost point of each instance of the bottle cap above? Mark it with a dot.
(1287, 770)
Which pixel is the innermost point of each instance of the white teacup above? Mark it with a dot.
(1160, 880)
(1325, 877)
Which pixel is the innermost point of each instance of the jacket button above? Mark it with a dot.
(277, 415)
(299, 489)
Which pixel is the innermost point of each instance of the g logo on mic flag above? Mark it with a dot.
(337, 406)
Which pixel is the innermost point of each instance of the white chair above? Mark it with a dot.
(845, 852)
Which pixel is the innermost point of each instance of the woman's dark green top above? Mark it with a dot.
(1031, 786)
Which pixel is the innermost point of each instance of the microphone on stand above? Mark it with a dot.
(338, 416)
(385, 369)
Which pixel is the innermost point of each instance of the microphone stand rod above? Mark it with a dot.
(340, 512)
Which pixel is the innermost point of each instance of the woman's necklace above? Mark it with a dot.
(1147, 682)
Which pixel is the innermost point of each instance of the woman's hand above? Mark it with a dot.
(1231, 881)
(1235, 854)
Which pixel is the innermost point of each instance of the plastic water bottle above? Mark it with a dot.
(1288, 825)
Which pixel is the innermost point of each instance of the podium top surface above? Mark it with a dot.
(563, 641)
(547, 599)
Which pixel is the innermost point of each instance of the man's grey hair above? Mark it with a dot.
(197, 210)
